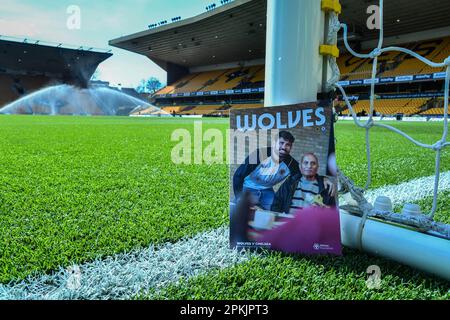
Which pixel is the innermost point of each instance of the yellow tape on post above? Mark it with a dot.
(329, 50)
(332, 5)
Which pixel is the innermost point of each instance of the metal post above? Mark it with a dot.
(293, 64)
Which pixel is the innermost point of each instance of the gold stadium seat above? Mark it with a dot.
(434, 111)
(216, 80)
(201, 110)
(396, 63)
(247, 106)
(390, 106)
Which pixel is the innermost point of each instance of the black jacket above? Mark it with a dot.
(284, 195)
(246, 168)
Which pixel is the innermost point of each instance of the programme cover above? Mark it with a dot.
(283, 182)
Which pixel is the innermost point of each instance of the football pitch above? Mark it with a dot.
(78, 189)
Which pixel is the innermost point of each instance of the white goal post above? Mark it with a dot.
(298, 34)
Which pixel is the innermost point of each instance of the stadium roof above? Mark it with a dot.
(24, 56)
(236, 31)
(210, 38)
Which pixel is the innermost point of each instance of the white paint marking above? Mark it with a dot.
(126, 275)
(410, 191)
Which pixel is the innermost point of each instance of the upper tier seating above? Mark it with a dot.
(389, 106)
(389, 64)
(396, 63)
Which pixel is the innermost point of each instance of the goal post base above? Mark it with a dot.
(415, 249)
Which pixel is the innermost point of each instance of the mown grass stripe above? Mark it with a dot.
(76, 189)
(127, 275)
(411, 190)
(281, 276)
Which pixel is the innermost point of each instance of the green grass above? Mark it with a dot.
(73, 189)
(281, 276)
(394, 158)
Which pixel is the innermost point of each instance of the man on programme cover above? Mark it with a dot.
(304, 189)
(260, 178)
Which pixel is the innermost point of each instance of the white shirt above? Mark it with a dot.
(305, 194)
(266, 175)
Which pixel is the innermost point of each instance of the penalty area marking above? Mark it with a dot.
(126, 275)
(410, 191)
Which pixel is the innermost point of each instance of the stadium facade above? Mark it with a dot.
(49, 78)
(27, 66)
(216, 61)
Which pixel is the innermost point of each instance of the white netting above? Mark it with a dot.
(424, 222)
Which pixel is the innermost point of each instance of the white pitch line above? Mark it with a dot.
(410, 191)
(123, 276)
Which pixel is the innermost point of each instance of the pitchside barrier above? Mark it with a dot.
(404, 119)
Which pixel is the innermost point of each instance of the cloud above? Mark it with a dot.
(136, 68)
(18, 28)
(13, 7)
(29, 21)
(101, 21)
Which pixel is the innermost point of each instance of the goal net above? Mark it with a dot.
(423, 222)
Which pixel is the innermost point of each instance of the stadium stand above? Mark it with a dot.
(172, 109)
(396, 64)
(13, 86)
(390, 64)
(434, 111)
(389, 106)
(248, 106)
(235, 73)
(32, 83)
(235, 78)
(387, 61)
(348, 64)
(214, 109)
(29, 66)
(440, 54)
(435, 108)
(200, 110)
(7, 90)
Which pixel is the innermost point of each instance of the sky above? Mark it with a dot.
(100, 21)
